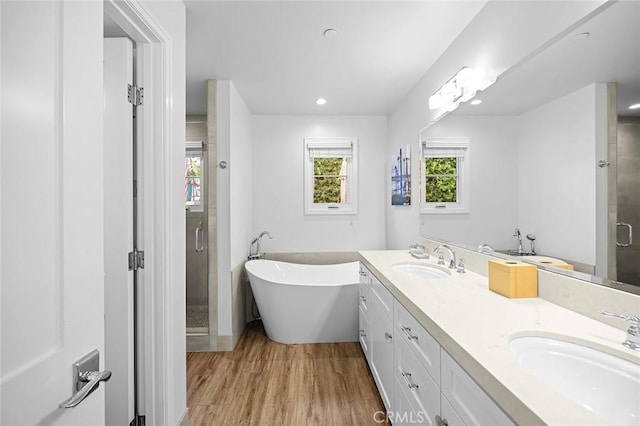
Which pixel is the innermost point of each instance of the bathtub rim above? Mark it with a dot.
(251, 271)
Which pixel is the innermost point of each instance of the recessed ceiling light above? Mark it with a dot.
(634, 106)
(321, 101)
(330, 33)
(581, 36)
(476, 102)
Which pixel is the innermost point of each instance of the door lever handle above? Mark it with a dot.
(91, 379)
(86, 378)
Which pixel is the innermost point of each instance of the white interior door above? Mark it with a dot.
(118, 226)
(51, 202)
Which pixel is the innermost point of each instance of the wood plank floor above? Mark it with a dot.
(266, 383)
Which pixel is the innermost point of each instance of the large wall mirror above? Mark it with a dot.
(555, 153)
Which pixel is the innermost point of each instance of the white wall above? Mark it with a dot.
(234, 188)
(557, 176)
(493, 183)
(241, 171)
(278, 184)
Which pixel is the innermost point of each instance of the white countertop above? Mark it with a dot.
(474, 325)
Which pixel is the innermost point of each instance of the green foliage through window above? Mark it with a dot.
(328, 184)
(441, 180)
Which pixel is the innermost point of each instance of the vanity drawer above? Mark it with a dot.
(382, 295)
(467, 398)
(364, 333)
(418, 386)
(363, 298)
(423, 345)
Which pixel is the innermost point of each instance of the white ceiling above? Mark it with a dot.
(611, 53)
(280, 63)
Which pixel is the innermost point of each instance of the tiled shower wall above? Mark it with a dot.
(628, 183)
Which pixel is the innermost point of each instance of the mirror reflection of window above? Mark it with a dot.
(445, 182)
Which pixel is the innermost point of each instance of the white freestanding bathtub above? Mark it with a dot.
(306, 303)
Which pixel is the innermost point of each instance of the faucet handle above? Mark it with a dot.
(633, 333)
(441, 259)
(632, 319)
(461, 266)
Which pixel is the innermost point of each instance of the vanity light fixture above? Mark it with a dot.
(321, 101)
(460, 88)
(476, 102)
(634, 106)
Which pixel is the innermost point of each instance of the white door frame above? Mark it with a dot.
(157, 205)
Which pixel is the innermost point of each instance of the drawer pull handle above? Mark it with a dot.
(364, 299)
(387, 335)
(409, 380)
(407, 331)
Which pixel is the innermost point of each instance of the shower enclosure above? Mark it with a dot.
(197, 253)
(628, 200)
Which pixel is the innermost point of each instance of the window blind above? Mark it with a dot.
(334, 149)
(193, 148)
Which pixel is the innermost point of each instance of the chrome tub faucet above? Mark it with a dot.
(256, 241)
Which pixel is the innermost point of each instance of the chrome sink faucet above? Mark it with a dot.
(258, 254)
(633, 333)
(452, 254)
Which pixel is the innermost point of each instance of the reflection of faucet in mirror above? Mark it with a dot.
(532, 239)
(517, 234)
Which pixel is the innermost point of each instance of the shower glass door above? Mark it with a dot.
(628, 189)
(196, 248)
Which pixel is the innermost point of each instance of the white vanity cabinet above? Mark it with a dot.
(417, 370)
(417, 395)
(364, 328)
(418, 381)
(381, 363)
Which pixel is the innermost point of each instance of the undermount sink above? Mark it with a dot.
(603, 383)
(421, 270)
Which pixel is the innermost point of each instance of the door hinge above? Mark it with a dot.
(136, 260)
(135, 95)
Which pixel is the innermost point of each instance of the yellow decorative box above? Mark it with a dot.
(513, 279)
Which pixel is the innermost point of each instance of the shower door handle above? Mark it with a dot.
(199, 238)
(630, 229)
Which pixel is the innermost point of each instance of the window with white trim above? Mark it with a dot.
(330, 175)
(193, 177)
(445, 176)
